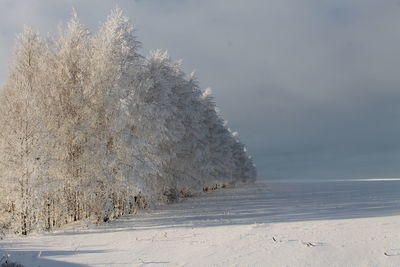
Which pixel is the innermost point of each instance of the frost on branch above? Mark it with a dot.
(93, 130)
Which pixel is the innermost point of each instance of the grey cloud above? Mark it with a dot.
(312, 86)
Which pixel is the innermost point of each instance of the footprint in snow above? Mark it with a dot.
(392, 252)
(313, 244)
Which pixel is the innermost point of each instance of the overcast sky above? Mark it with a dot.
(312, 86)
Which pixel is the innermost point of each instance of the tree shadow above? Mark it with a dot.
(284, 202)
(258, 203)
(42, 258)
(270, 202)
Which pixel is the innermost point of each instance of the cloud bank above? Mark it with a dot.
(312, 86)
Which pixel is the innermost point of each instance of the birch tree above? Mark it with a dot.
(22, 126)
(90, 129)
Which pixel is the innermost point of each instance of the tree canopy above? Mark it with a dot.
(91, 129)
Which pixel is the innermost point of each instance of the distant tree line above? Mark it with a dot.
(90, 129)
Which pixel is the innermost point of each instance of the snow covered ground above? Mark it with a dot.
(342, 223)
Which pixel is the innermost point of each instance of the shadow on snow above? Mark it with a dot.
(270, 202)
(43, 258)
(253, 203)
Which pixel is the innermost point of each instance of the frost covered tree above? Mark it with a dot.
(23, 131)
(71, 58)
(115, 70)
(93, 130)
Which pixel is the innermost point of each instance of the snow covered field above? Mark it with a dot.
(342, 223)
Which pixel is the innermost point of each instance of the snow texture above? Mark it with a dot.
(343, 223)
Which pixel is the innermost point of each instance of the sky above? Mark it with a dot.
(312, 86)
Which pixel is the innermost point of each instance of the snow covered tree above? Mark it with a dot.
(70, 58)
(22, 126)
(91, 129)
(114, 67)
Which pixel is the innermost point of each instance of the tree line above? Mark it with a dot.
(91, 129)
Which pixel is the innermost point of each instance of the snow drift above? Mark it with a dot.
(90, 129)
